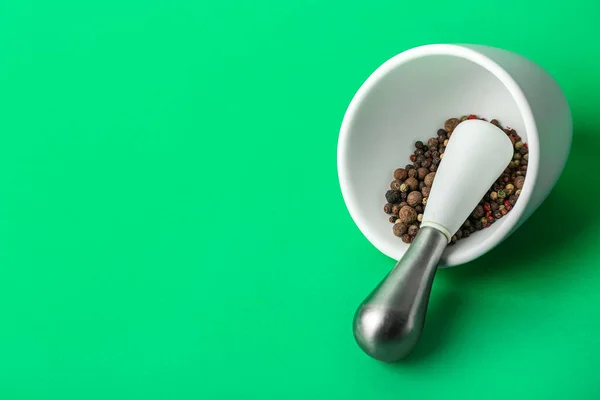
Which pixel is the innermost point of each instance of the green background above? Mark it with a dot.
(171, 225)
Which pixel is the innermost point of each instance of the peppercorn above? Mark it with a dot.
(501, 194)
(504, 211)
(523, 169)
(420, 217)
(412, 173)
(392, 218)
(494, 206)
(422, 172)
(420, 160)
(426, 164)
(450, 124)
(413, 184)
(396, 209)
(433, 143)
(433, 168)
(426, 190)
(459, 234)
(419, 209)
(526, 157)
(427, 154)
(509, 189)
(495, 122)
(419, 144)
(387, 208)
(392, 196)
(463, 118)
(395, 185)
(407, 215)
(441, 156)
(518, 192)
(403, 195)
(421, 185)
(424, 201)
(406, 238)
(418, 152)
(414, 198)
(518, 145)
(408, 167)
(466, 224)
(454, 239)
(512, 200)
(442, 139)
(425, 148)
(519, 182)
(494, 195)
(399, 229)
(517, 156)
(484, 222)
(498, 214)
(413, 158)
(441, 132)
(466, 234)
(478, 212)
(404, 188)
(413, 230)
(429, 179)
(400, 174)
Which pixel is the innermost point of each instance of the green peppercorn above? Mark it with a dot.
(413, 230)
(399, 229)
(517, 156)
(518, 145)
(392, 196)
(464, 118)
(501, 194)
(406, 238)
(387, 208)
(413, 184)
(526, 157)
(429, 179)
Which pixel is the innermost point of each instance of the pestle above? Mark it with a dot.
(388, 323)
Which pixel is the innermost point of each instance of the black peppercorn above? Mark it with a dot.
(433, 143)
(419, 144)
(427, 154)
(392, 218)
(478, 212)
(392, 196)
(512, 200)
(519, 182)
(498, 214)
(459, 234)
(426, 163)
(419, 209)
(418, 152)
(441, 132)
(408, 167)
(433, 168)
(494, 206)
(478, 225)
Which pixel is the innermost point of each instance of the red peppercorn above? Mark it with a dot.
(506, 203)
(505, 179)
(490, 218)
(472, 116)
(413, 158)
(486, 207)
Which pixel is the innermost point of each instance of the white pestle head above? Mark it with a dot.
(475, 157)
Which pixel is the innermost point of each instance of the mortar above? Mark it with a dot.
(411, 95)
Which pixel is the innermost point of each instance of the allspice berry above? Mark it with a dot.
(429, 179)
(412, 173)
(395, 185)
(393, 196)
(413, 230)
(419, 209)
(400, 174)
(450, 124)
(422, 173)
(388, 208)
(407, 215)
(414, 198)
(426, 190)
(519, 182)
(396, 209)
(412, 184)
(399, 229)
(406, 238)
